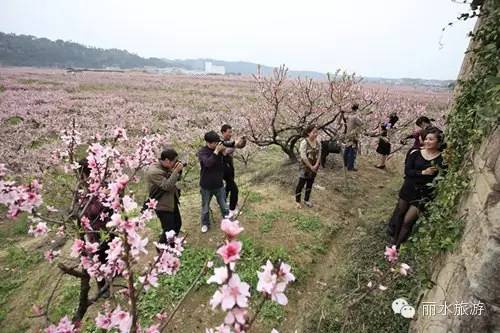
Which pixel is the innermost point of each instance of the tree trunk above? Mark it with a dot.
(290, 152)
(83, 304)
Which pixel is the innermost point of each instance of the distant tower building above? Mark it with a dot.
(214, 69)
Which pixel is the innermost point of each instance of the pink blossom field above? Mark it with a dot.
(274, 257)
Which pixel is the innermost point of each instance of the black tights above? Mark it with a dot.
(298, 191)
(407, 215)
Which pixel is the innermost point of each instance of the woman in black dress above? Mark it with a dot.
(421, 168)
(384, 144)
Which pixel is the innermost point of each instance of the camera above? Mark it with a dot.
(227, 143)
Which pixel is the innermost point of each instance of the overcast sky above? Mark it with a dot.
(384, 38)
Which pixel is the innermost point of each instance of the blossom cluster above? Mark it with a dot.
(20, 198)
(233, 294)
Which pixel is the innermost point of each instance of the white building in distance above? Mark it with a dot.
(214, 69)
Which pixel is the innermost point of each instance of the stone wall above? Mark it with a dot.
(471, 274)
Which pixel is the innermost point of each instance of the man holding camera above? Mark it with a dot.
(211, 177)
(161, 178)
(230, 146)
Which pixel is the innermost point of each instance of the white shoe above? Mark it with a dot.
(308, 204)
(232, 213)
(204, 228)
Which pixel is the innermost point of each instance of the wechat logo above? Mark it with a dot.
(401, 306)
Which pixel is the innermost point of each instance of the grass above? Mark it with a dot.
(10, 230)
(67, 300)
(306, 223)
(41, 141)
(14, 272)
(374, 313)
(171, 288)
(14, 120)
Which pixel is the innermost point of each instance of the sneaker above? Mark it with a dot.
(352, 169)
(298, 205)
(204, 228)
(308, 204)
(232, 213)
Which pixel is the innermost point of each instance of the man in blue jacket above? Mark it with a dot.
(211, 177)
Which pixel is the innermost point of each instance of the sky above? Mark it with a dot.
(385, 38)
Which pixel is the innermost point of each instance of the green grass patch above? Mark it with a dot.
(172, 288)
(15, 265)
(14, 120)
(11, 229)
(253, 197)
(47, 139)
(306, 222)
(272, 314)
(67, 301)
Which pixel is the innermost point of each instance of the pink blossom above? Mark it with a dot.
(404, 268)
(236, 316)
(77, 247)
(121, 319)
(275, 284)
(129, 204)
(150, 280)
(233, 293)
(220, 329)
(86, 223)
(120, 133)
(137, 244)
(50, 255)
(103, 321)
(153, 329)
(267, 280)
(152, 203)
(391, 253)
(230, 252)
(64, 326)
(168, 263)
(284, 273)
(231, 228)
(91, 247)
(52, 209)
(278, 294)
(60, 231)
(220, 275)
(115, 249)
(39, 230)
(3, 170)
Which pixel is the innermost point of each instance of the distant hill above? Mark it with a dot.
(241, 67)
(25, 50)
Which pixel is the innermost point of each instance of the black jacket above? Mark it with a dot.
(211, 169)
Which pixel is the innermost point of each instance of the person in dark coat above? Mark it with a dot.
(211, 177)
(229, 174)
(421, 168)
(384, 141)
